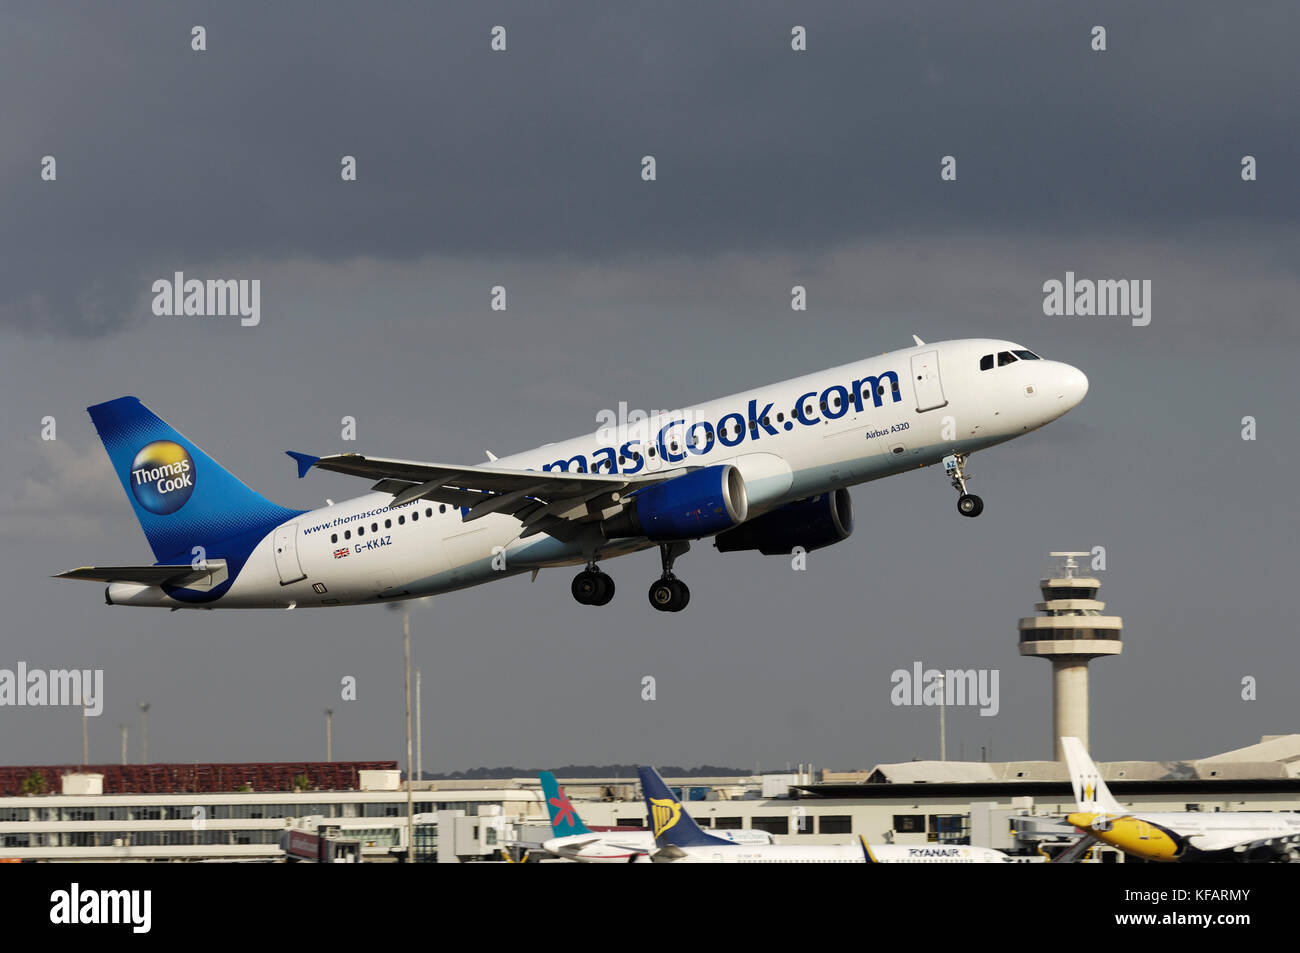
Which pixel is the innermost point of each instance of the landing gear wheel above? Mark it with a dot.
(591, 587)
(968, 504)
(606, 590)
(669, 595)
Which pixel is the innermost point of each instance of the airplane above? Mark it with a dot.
(1175, 836)
(681, 840)
(765, 470)
(574, 840)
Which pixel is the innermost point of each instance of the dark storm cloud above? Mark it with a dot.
(171, 159)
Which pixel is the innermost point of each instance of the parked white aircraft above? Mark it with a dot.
(1245, 836)
(574, 840)
(681, 840)
(763, 470)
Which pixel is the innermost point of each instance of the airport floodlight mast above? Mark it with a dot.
(405, 608)
(329, 734)
(1070, 633)
(943, 727)
(144, 732)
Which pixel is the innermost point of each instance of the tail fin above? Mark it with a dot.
(1090, 791)
(672, 825)
(181, 496)
(564, 817)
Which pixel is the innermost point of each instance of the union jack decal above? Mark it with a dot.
(340, 553)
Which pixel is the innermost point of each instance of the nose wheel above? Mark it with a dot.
(668, 593)
(591, 587)
(968, 504)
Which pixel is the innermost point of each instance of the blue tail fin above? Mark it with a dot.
(564, 817)
(672, 825)
(181, 496)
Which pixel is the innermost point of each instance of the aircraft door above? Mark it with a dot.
(925, 381)
(286, 554)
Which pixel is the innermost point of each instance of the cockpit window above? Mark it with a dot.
(1005, 357)
(1026, 355)
(986, 362)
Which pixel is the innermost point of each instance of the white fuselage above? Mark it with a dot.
(622, 847)
(841, 854)
(360, 551)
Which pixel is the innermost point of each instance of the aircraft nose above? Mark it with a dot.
(1072, 385)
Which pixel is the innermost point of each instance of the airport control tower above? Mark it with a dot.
(1071, 632)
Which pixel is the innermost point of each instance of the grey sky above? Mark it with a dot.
(775, 168)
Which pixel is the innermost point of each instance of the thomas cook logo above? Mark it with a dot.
(666, 814)
(162, 477)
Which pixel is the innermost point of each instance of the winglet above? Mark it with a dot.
(305, 462)
(919, 342)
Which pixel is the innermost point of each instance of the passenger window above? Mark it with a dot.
(388, 524)
(401, 520)
(1005, 357)
(415, 515)
(334, 538)
(347, 534)
(428, 511)
(652, 451)
(442, 507)
(780, 417)
(1026, 355)
(361, 531)
(374, 527)
(986, 362)
(621, 461)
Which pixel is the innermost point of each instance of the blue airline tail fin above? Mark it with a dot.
(564, 817)
(671, 824)
(182, 497)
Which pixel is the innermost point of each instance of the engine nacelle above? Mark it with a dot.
(812, 523)
(690, 506)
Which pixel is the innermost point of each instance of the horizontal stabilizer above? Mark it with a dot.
(305, 461)
(179, 575)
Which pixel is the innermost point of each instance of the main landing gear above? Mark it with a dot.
(591, 587)
(968, 504)
(668, 593)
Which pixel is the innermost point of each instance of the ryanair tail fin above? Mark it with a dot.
(182, 497)
(672, 825)
(1090, 791)
(564, 817)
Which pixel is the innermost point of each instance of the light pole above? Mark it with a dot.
(329, 734)
(405, 608)
(419, 745)
(943, 726)
(123, 728)
(144, 732)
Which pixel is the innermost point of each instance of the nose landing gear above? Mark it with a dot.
(668, 593)
(968, 504)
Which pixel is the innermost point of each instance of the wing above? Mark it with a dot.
(179, 575)
(549, 501)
